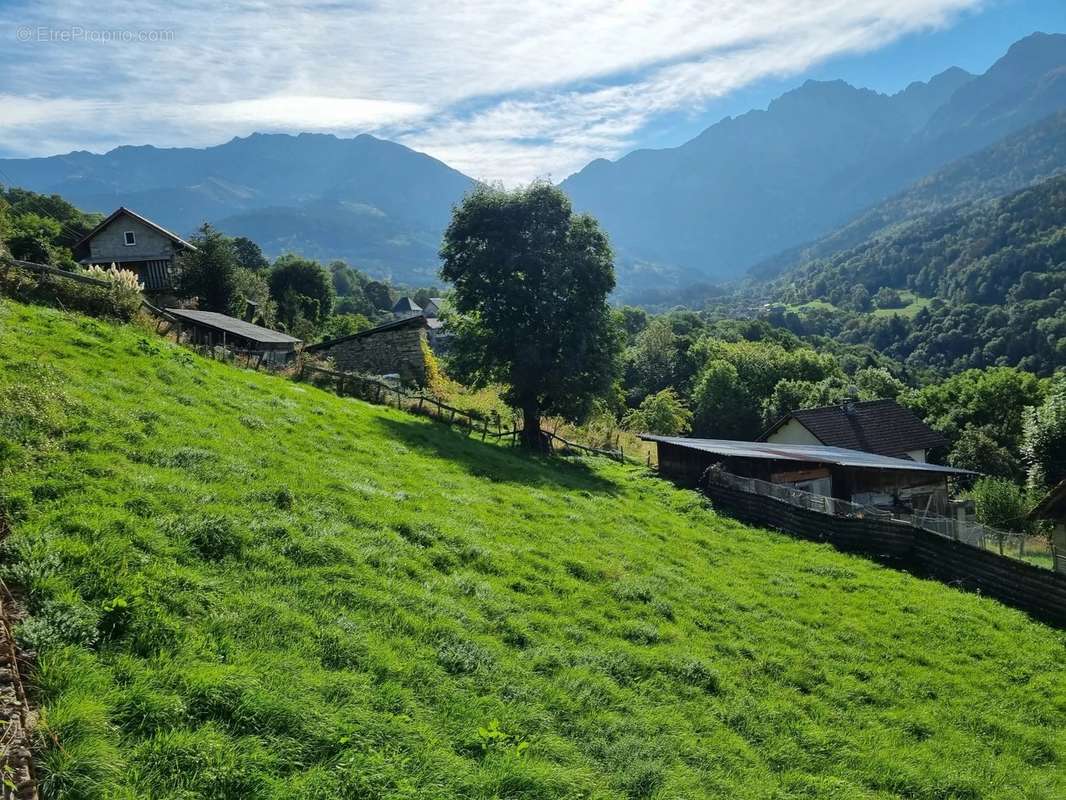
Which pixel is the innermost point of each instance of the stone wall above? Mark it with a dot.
(392, 351)
(109, 244)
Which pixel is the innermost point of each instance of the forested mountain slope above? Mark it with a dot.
(1029, 156)
(751, 186)
(244, 587)
(995, 271)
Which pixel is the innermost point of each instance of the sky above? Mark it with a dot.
(500, 90)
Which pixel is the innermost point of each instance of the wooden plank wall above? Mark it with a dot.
(1037, 591)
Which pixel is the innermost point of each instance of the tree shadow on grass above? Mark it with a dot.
(493, 462)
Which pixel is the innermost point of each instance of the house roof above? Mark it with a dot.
(1053, 506)
(808, 453)
(875, 426)
(406, 304)
(123, 211)
(232, 326)
(405, 322)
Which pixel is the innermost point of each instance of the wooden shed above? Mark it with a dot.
(853, 475)
(211, 329)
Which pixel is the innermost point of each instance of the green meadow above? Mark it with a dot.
(240, 586)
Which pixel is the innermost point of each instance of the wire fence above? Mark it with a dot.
(1013, 544)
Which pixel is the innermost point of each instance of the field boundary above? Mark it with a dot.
(373, 390)
(1037, 591)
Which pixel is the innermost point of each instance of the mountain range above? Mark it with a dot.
(374, 203)
(750, 191)
(749, 187)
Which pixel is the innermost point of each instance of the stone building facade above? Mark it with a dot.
(396, 347)
(133, 242)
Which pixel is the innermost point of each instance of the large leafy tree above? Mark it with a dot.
(249, 255)
(304, 293)
(1044, 438)
(531, 282)
(210, 272)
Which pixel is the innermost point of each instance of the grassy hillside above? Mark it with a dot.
(243, 587)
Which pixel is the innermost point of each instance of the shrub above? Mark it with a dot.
(59, 622)
(120, 299)
(1001, 504)
(663, 413)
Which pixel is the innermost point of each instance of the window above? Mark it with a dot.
(131, 238)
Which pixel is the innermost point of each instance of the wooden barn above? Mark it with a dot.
(853, 475)
(211, 329)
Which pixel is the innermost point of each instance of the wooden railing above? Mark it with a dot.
(44, 269)
(378, 391)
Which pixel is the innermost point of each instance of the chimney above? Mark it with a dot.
(251, 310)
(852, 399)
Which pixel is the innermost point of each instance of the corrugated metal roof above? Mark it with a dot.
(810, 453)
(237, 327)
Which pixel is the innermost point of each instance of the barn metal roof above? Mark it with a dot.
(233, 326)
(810, 453)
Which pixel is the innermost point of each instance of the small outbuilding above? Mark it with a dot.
(397, 347)
(406, 307)
(433, 307)
(1053, 508)
(853, 475)
(211, 329)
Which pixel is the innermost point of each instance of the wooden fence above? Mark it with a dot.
(44, 269)
(1037, 591)
(375, 390)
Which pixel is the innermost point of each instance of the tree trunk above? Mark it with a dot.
(531, 435)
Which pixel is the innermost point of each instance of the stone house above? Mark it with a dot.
(133, 242)
(406, 307)
(397, 347)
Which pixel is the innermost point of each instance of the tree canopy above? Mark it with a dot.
(304, 293)
(210, 271)
(531, 281)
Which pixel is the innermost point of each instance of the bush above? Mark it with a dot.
(120, 300)
(1001, 504)
(662, 413)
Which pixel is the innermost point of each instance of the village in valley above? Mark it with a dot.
(329, 472)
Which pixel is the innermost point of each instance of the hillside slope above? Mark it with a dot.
(243, 587)
(1022, 159)
(995, 270)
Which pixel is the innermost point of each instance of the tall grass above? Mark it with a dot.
(244, 587)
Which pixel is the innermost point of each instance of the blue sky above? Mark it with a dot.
(498, 89)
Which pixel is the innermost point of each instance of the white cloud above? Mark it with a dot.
(500, 90)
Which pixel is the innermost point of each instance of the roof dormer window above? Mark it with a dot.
(131, 238)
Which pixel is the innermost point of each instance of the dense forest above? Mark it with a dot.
(982, 284)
